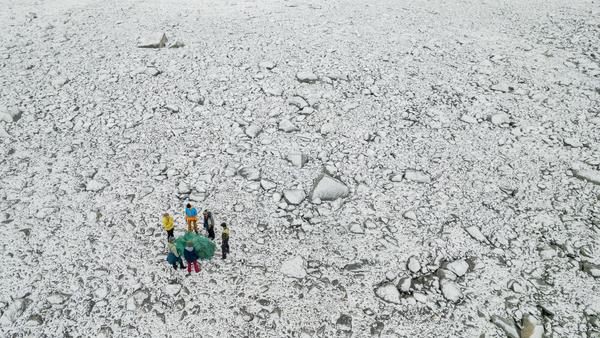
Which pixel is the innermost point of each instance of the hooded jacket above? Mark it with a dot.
(168, 223)
(190, 254)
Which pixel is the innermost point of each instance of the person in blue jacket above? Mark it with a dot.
(191, 257)
(191, 217)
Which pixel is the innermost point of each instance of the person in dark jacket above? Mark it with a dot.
(191, 257)
(224, 241)
(209, 224)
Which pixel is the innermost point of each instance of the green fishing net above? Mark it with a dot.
(204, 247)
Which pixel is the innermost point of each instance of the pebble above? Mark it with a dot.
(474, 232)
(294, 196)
(356, 228)
(458, 267)
(404, 284)
(500, 119)
(251, 174)
(388, 293)
(306, 76)
(294, 267)
(413, 264)
(287, 126)
(451, 291)
(327, 188)
(253, 130)
(417, 176)
(94, 185)
(267, 184)
(297, 159)
(172, 289)
(572, 142)
(410, 214)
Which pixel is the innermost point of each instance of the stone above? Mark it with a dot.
(404, 284)
(468, 119)
(451, 291)
(297, 159)
(287, 126)
(507, 325)
(501, 87)
(327, 128)
(56, 298)
(458, 267)
(297, 101)
(344, 322)
(591, 269)
(591, 176)
(388, 293)
(474, 232)
(327, 188)
(172, 289)
(273, 90)
(253, 130)
(413, 264)
(12, 313)
(410, 214)
(267, 184)
(94, 185)
(294, 267)
(397, 177)
(153, 40)
(251, 174)
(532, 327)
(417, 176)
(356, 228)
(306, 76)
(500, 118)
(572, 142)
(267, 64)
(59, 81)
(294, 196)
(177, 44)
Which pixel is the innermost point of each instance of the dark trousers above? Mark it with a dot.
(180, 261)
(211, 233)
(170, 233)
(225, 248)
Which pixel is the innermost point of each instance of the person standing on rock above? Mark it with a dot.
(224, 241)
(173, 258)
(191, 257)
(168, 224)
(209, 224)
(191, 217)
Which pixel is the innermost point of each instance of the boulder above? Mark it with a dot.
(327, 188)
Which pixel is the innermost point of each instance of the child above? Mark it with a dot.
(191, 217)
(173, 258)
(209, 224)
(168, 224)
(191, 257)
(224, 241)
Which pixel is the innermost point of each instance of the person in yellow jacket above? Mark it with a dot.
(168, 224)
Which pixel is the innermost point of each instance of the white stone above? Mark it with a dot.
(476, 233)
(572, 142)
(153, 40)
(413, 264)
(297, 159)
(287, 126)
(532, 327)
(328, 188)
(251, 174)
(417, 176)
(404, 284)
(267, 184)
(410, 214)
(451, 291)
(458, 267)
(294, 267)
(253, 130)
(294, 196)
(94, 185)
(388, 293)
(12, 313)
(172, 289)
(500, 118)
(306, 76)
(327, 128)
(591, 176)
(356, 228)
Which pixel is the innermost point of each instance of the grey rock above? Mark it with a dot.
(172, 289)
(327, 188)
(417, 176)
(294, 267)
(404, 284)
(12, 313)
(591, 176)
(507, 325)
(356, 228)
(458, 267)
(251, 174)
(410, 214)
(95, 185)
(153, 40)
(388, 293)
(306, 76)
(267, 184)
(294, 196)
(499, 119)
(267, 64)
(253, 130)
(532, 327)
(474, 232)
(413, 264)
(502, 87)
(451, 291)
(591, 269)
(344, 322)
(327, 128)
(297, 101)
(572, 142)
(273, 90)
(297, 159)
(287, 126)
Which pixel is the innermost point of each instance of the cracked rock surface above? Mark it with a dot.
(387, 168)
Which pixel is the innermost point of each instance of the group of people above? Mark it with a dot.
(189, 254)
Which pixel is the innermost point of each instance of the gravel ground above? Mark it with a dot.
(387, 168)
